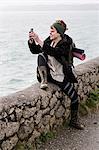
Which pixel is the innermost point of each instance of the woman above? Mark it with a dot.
(55, 64)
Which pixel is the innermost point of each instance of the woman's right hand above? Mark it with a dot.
(31, 35)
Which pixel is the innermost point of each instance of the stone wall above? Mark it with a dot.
(28, 113)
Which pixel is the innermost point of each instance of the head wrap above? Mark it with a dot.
(60, 26)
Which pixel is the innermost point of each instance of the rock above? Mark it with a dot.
(59, 113)
(41, 127)
(22, 121)
(35, 135)
(85, 90)
(4, 114)
(58, 122)
(9, 144)
(11, 110)
(46, 128)
(52, 112)
(53, 100)
(67, 113)
(28, 112)
(8, 129)
(38, 117)
(46, 111)
(26, 129)
(45, 102)
(92, 79)
(38, 105)
(2, 135)
(52, 121)
(59, 94)
(2, 131)
(66, 102)
(46, 119)
(12, 118)
(11, 128)
(56, 105)
(18, 114)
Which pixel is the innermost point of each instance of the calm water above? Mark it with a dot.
(17, 64)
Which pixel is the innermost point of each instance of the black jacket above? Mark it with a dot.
(61, 52)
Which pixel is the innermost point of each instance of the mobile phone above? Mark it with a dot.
(31, 30)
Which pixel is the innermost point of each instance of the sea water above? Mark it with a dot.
(17, 64)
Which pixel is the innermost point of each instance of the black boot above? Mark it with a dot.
(43, 74)
(74, 122)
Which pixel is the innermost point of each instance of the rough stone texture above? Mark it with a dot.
(59, 113)
(35, 134)
(10, 143)
(26, 129)
(11, 128)
(28, 113)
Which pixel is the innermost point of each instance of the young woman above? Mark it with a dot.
(55, 64)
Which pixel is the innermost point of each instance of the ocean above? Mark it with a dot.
(17, 64)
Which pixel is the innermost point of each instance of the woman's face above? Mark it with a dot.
(53, 34)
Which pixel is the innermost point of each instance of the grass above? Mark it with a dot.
(47, 136)
(25, 146)
(91, 104)
(42, 139)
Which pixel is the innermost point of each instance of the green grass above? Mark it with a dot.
(44, 137)
(47, 136)
(25, 146)
(91, 104)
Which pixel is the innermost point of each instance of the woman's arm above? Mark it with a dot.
(34, 43)
(35, 49)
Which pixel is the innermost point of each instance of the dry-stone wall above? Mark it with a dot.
(28, 113)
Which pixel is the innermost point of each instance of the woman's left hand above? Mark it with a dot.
(37, 39)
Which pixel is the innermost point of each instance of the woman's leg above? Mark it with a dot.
(72, 94)
(68, 89)
(42, 70)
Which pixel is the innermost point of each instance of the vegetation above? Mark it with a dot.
(91, 104)
(25, 146)
(42, 139)
(46, 136)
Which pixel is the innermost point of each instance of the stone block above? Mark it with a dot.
(59, 113)
(28, 112)
(38, 117)
(11, 128)
(10, 143)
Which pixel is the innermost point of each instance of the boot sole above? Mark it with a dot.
(76, 127)
(43, 86)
